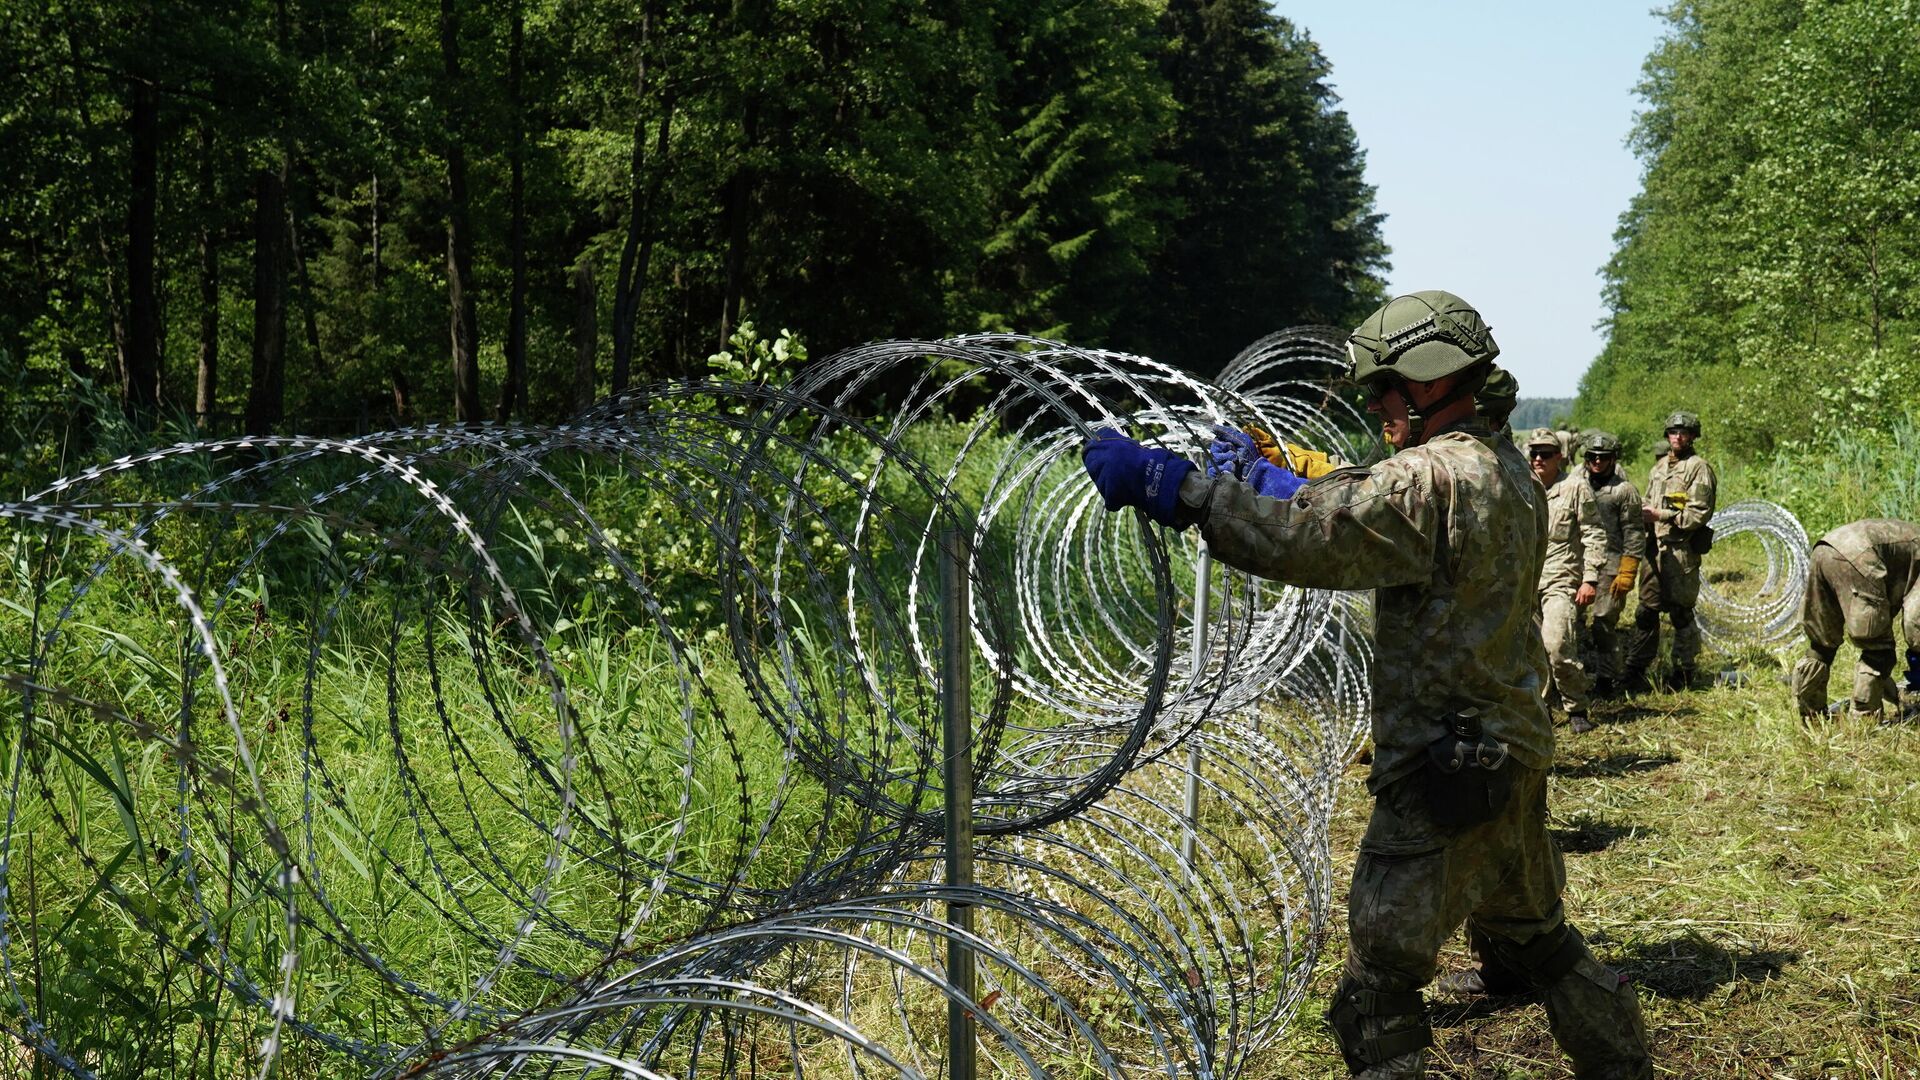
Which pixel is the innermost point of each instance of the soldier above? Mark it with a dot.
(1619, 503)
(1570, 576)
(1862, 573)
(1680, 494)
(1450, 532)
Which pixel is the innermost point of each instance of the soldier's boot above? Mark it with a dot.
(1677, 678)
(1592, 1009)
(1594, 1014)
(1383, 1035)
(1605, 689)
(1580, 723)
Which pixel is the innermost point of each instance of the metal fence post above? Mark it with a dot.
(956, 707)
(1202, 583)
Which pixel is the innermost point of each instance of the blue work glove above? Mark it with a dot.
(1128, 474)
(1230, 452)
(1273, 481)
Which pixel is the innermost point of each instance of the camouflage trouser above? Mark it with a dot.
(1670, 586)
(1559, 631)
(1850, 600)
(1603, 629)
(1415, 882)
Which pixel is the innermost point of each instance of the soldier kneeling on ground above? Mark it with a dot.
(1861, 574)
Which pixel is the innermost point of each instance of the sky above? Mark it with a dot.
(1495, 134)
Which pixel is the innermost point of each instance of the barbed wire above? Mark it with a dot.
(615, 746)
(1766, 614)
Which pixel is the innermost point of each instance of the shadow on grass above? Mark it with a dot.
(1613, 765)
(1689, 967)
(1585, 834)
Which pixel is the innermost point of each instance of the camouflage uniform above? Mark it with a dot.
(1576, 555)
(1619, 505)
(1861, 574)
(1450, 534)
(1681, 488)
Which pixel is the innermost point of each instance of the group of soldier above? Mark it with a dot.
(1481, 560)
(1602, 539)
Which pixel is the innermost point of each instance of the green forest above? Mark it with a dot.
(1767, 273)
(269, 215)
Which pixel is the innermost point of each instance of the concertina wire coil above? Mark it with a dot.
(613, 747)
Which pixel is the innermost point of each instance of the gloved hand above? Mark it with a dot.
(1230, 452)
(1128, 474)
(1623, 579)
(1273, 481)
(1311, 464)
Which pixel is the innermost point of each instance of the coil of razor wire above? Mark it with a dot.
(1764, 608)
(472, 749)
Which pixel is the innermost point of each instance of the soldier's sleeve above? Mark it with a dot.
(1700, 496)
(1351, 529)
(1633, 530)
(1593, 535)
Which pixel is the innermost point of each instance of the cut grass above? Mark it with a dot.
(1758, 880)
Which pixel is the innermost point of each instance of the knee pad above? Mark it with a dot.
(1546, 959)
(1646, 619)
(1827, 654)
(1353, 1005)
(1880, 660)
(1682, 618)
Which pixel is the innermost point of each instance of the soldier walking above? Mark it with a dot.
(1450, 533)
(1680, 499)
(1861, 574)
(1569, 576)
(1619, 504)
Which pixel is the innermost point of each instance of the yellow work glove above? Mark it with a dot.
(1302, 461)
(1623, 581)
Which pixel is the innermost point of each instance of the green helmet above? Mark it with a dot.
(1602, 442)
(1497, 396)
(1682, 420)
(1420, 337)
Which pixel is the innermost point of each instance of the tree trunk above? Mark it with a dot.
(513, 389)
(466, 359)
(140, 360)
(308, 313)
(265, 393)
(206, 385)
(627, 285)
(739, 206)
(586, 332)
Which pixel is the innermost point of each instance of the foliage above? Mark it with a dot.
(1766, 274)
(1123, 174)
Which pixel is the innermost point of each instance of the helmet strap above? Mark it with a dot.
(1468, 384)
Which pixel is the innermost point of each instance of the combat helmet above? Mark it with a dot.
(1601, 442)
(1420, 337)
(1682, 420)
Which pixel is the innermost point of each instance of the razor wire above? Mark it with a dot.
(1766, 613)
(613, 747)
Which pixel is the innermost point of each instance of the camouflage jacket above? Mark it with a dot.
(1576, 544)
(1896, 544)
(1450, 535)
(1619, 503)
(1682, 491)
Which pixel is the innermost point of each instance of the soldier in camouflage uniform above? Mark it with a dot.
(1680, 497)
(1450, 533)
(1620, 517)
(1862, 573)
(1570, 576)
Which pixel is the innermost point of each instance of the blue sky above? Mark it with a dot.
(1495, 136)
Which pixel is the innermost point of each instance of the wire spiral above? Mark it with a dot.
(1767, 614)
(613, 747)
